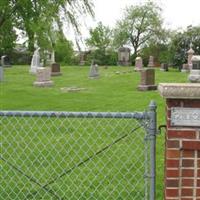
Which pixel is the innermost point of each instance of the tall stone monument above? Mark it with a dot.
(188, 66)
(124, 56)
(35, 62)
(194, 75)
(93, 71)
(1, 73)
(151, 61)
(138, 64)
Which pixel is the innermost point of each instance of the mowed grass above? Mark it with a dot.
(111, 92)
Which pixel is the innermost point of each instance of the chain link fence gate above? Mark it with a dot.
(78, 155)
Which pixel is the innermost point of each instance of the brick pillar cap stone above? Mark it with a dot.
(179, 90)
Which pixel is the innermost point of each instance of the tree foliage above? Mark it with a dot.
(100, 37)
(139, 24)
(100, 42)
(39, 18)
(180, 44)
(63, 50)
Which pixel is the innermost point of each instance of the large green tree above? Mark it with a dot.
(100, 42)
(39, 18)
(139, 24)
(180, 44)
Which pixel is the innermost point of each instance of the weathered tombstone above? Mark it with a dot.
(190, 55)
(187, 67)
(138, 64)
(55, 69)
(5, 61)
(93, 71)
(43, 76)
(164, 67)
(147, 80)
(151, 61)
(194, 75)
(124, 56)
(35, 62)
(82, 58)
(1, 73)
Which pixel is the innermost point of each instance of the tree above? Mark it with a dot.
(100, 42)
(63, 50)
(139, 24)
(100, 37)
(180, 44)
(39, 18)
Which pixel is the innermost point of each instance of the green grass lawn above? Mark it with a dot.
(111, 92)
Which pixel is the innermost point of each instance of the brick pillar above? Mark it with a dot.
(182, 146)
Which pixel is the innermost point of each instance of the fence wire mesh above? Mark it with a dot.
(74, 156)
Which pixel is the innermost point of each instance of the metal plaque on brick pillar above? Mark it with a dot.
(185, 116)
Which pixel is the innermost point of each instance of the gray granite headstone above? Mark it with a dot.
(93, 71)
(5, 61)
(1, 73)
(194, 75)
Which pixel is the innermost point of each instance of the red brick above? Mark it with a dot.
(171, 192)
(191, 145)
(187, 182)
(198, 163)
(173, 144)
(172, 173)
(187, 199)
(187, 173)
(198, 192)
(187, 163)
(180, 134)
(198, 154)
(188, 154)
(193, 103)
(173, 153)
(172, 182)
(172, 163)
(187, 192)
(198, 173)
(198, 182)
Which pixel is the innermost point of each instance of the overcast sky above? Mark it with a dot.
(176, 13)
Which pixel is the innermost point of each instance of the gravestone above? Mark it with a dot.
(187, 67)
(194, 75)
(190, 55)
(138, 64)
(151, 61)
(1, 73)
(93, 71)
(124, 56)
(82, 58)
(147, 80)
(35, 62)
(55, 69)
(43, 77)
(5, 61)
(164, 67)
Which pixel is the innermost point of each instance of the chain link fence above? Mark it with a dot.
(77, 156)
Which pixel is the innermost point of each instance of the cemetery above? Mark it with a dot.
(117, 119)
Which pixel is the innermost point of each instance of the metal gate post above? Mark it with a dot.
(152, 135)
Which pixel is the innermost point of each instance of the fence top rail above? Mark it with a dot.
(136, 115)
